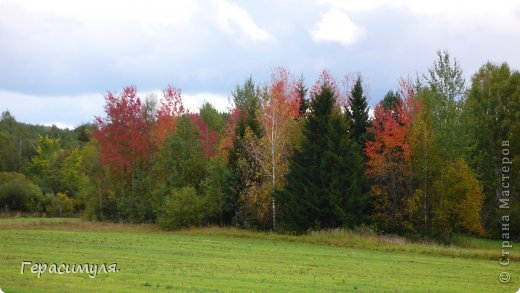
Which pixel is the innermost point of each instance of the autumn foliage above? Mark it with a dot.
(166, 116)
(226, 142)
(276, 161)
(208, 137)
(128, 138)
(388, 163)
(390, 149)
(423, 162)
(279, 108)
(459, 210)
(122, 134)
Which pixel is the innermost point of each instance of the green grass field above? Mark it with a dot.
(225, 259)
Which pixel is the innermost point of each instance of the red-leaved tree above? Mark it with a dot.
(226, 142)
(122, 134)
(389, 164)
(208, 136)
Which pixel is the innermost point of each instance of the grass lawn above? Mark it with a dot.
(224, 259)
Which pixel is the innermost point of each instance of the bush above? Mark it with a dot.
(135, 209)
(102, 206)
(182, 208)
(18, 193)
(59, 204)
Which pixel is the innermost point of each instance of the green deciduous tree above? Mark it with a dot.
(212, 117)
(491, 116)
(215, 189)
(460, 208)
(44, 166)
(180, 162)
(440, 142)
(245, 171)
(56, 169)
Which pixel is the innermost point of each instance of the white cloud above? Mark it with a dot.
(67, 32)
(71, 111)
(234, 20)
(431, 7)
(149, 12)
(464, 17)
(354, 5)
(66, 111)
(60, 125)
(73, 42)
(336, 26)
(194, 101)
(459, 8)
(461, 13)
(66, 47)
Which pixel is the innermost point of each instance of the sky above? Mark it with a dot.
(58, 58)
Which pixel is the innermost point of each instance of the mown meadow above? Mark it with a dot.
(226, 259)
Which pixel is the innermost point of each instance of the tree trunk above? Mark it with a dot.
(425, 183)
(221, 221)
(207, 141)
(100, 200)
(273, 175)
(20, 155)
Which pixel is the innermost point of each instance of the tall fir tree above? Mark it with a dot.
(358, 113)
(391, 100)
(325, 175)
(301, 91)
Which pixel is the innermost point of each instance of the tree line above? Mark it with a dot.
(426, 162)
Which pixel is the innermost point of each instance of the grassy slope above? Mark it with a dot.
(232, 260)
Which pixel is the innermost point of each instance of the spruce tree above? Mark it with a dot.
(302, 93)
(391, 100)
(358, 113)
(325, 175)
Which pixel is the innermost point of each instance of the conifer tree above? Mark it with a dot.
(358, 113)
(323, 183)
(301, 92)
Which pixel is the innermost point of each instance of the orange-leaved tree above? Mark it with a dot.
(388, 160)
(169, 111)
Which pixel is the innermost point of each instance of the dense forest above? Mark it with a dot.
(429, 161)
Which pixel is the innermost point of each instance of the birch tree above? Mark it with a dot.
(280, 106)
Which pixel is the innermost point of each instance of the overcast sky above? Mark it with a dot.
(58, 58)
